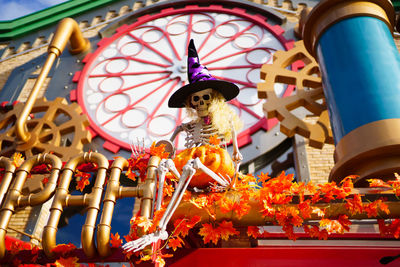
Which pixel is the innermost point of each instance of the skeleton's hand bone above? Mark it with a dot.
(144, 241)
(237, 156)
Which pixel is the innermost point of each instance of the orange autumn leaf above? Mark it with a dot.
(158, 151)
(354, 205)
(377, 183)
(339, 226)
(269, 210)
(226, 229)
(209, 233)
(144, 222)
(78, 173)
(175, 242)
(67, 262)
(347, 183)
(130, 174)
(168, 190)
(182, 226)
(200, 202)
(263, 177)
(315, 232)
(214, 140)
(64, 249)
(17, 159)
(305, 209)
(372, 208)
(82, 183)
(226, 205)
(395, 186)
(319, 212)
(241, 209)
(115, 241)
(253, 231)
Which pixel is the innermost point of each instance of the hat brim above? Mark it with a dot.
(227, 89)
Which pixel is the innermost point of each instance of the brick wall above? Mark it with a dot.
(18, 221)
(320, 161)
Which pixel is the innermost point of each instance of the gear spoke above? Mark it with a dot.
(308, 94)
(45, 133)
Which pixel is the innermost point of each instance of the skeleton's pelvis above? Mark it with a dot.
(215, 158)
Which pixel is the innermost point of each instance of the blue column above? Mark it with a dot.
(360, 67)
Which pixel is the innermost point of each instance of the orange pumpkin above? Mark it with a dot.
(215, 158)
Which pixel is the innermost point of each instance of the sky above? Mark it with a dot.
(12, 9)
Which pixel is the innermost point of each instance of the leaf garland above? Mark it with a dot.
(277, 197)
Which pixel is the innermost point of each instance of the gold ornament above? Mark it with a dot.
(308, 93)
(55, 127)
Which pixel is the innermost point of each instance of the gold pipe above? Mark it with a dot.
(254, 217)
(93, 207)
(110, 197)
(50, 187)
(68, 29)
(9, 170)
(146, 203)
(25, 234)
(91, 201)
(14, 197)
(131, 191)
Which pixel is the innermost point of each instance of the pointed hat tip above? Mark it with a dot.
(192, 52)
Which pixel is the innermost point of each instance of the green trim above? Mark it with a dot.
(396, 4)
(21, 26)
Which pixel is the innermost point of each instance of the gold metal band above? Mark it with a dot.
(372, 150)
(329, 12)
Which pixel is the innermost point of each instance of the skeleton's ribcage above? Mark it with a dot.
(199, 134)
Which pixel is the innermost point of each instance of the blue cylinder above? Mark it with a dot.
(360, 66)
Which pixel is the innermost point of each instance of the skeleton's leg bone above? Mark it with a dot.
(198, 165)
(171, 166)
(187, 174)
(161, 171)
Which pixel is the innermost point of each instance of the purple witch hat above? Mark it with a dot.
(200, 79)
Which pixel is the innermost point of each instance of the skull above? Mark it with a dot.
(200, 101)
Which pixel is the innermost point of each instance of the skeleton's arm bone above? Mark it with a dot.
(200, 166)
(236, 155)
(161, 171)
(176, 132)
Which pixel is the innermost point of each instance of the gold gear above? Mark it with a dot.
(51, 124)
(308, 93)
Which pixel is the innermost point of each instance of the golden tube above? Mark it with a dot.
(9, 170)
(110, 197)
(255, 217)
(50, 187)
(130, 191)
(146, 204)
(62, 199)
(15, 199)
(93, 207)
(67, 29)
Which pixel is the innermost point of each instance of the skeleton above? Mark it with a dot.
(198, 133)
